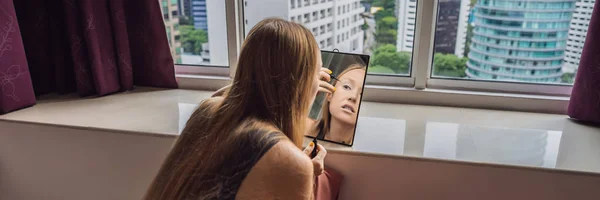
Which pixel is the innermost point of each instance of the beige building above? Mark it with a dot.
(170, 13)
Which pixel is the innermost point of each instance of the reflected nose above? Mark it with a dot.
(354, 97)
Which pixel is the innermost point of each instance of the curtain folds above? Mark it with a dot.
(585, 98)
(92, 47)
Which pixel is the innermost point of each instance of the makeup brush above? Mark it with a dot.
(333, 76)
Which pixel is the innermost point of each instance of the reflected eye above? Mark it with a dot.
(347, 87)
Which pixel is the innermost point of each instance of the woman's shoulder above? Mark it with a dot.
(284, 172)
(286, 158)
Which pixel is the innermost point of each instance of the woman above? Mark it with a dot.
(340, 110)
(246, 144)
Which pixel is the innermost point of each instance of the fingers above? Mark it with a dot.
(323, 90)
(328, 71)
(324, 76)
(319, 160)
(309, 149)
(321, 153)
(319, 168)
(326, 87)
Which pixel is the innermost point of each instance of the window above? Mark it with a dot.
(293, 4)
(390, 53)
(191, 33)
(494, 41)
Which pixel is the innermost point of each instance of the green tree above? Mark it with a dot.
(192, 39)
(449, 65)
(468, 40)
(473, 2)
(386, 56)
(387, 29)
(378, 69)
(568, 78)
(386, 4)
(383, 13)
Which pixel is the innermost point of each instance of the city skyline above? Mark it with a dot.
(500, 40)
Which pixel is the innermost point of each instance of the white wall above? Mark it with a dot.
(46, 162)
(380, 177)
(56, 163)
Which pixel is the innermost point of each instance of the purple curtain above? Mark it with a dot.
(16, 90)
(95, 47)
(585, 98)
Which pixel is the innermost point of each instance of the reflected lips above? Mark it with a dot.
(348, 108)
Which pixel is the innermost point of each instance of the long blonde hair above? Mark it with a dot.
(271, 91)
(323, 126)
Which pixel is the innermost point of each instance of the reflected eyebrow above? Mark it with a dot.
(350, 80)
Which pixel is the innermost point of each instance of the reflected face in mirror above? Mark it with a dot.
(344, 102)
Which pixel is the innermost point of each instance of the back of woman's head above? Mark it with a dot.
(274, 77)
(272, 87)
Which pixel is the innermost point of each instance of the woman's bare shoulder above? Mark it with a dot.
(284, 172)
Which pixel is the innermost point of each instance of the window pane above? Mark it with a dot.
(373, 27)
(196, 31)
(510, 40)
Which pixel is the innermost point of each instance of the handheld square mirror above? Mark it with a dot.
(333, 116)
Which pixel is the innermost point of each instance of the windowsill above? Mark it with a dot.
(491, 137)
(433, 97)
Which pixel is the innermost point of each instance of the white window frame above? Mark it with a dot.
(418, 88)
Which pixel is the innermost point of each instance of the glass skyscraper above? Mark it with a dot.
(199, 14)
(519, 40)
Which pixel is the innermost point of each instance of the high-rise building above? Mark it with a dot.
(336, 24)
(199, 14)
(217, 33)
(451, 27)
(185, 7)
(519, 40)
(171, 18)
(407, 15)
(577, 33)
